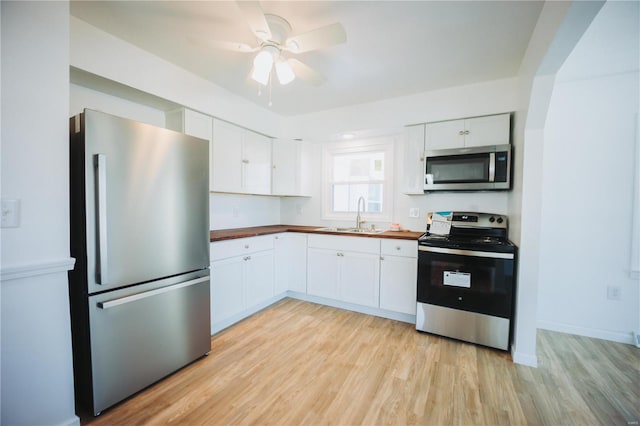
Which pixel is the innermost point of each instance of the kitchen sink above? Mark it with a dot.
(351, 230)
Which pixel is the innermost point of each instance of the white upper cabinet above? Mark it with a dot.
(290, 173)
(413, 165)
(226, 173)
(241, 160)
(468, 132)
(256, 164)
(195, 124)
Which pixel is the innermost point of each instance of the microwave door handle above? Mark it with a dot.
(492, 167)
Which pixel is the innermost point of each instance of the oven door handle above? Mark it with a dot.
(475, 253)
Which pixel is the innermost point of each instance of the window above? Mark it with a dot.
(355, 171)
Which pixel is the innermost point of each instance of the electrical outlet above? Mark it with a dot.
(613, 292)
(414, 212)
(10, 213)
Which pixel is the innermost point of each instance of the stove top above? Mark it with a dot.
(470, 231)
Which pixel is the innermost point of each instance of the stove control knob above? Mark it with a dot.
(500, 220)
(460, 298)
(492, 219)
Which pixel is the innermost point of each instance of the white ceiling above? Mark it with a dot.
(393, 48)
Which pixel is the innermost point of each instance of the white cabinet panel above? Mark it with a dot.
(407, 248)
(290, 263)
(359, 277)
(489, 130)
(226, 174)
(413, 165)
(398, 280)
(445, 134)
(468, 132)
(323, 271)
(291, 168)
(256, 161)
(258, 277)
(226, 289)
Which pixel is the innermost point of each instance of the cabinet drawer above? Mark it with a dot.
(357, 244)
(399, 248)
(240, 246)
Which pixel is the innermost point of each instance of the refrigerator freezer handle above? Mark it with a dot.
(144, 295)
(101, 195)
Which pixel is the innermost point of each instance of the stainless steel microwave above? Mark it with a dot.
(479, 168)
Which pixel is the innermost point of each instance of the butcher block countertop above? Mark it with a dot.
(230, 234)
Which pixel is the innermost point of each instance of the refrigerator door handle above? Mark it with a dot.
(101, 195)
(128, 299)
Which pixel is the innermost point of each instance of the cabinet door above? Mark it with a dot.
(323, 271)
(226, 156)
(445, 135)
(413, 166)
(489, 130)
(398, 280)
(256, 159)
(258, 278)
(201, 126)
(359, 278)
(290, 263)
(283, 172)
(226, 289)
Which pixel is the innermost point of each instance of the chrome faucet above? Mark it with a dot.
(359, 220)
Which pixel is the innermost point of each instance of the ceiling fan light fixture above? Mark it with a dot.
(284, 72)
(262, 67)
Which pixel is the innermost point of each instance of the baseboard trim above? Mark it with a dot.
(613, 336)
(14, 272)
(525, 359)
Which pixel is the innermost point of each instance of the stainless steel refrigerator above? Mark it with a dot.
(139, 293)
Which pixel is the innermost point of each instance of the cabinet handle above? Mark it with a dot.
(381, 258)
(461, 132)
(246, 246)
(340, 254)
(245, 161)
(466, 132)
(246, 258)
(397, 247)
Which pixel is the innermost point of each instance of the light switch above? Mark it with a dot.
(10, 213)
(414, 212)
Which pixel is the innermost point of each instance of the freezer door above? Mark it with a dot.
(147, 202)
(143, 333)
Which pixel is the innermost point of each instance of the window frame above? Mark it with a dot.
(330, 150)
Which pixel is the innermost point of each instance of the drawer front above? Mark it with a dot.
(346, 243)
(399, 248)
(238, 247)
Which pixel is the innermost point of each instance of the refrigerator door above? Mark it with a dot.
(147, 203)
(143, 333)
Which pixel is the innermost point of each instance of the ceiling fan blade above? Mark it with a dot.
(255, 18)
(223, 45)
(306, 73)
(317, 39)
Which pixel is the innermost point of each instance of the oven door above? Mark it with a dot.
(472, 281)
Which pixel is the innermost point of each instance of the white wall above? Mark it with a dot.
(587, 204)
(239, 211)
(81, 97)
(36, 366)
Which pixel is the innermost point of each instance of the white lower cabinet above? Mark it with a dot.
(398, 276)
(344, 268)
(242, 278)
(290, 262)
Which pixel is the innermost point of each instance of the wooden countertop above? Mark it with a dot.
(230, 234)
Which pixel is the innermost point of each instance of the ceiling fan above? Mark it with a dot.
(273, 37)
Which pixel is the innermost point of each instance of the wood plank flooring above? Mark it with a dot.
(302, 363)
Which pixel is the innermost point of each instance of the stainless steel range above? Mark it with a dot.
(466, 278)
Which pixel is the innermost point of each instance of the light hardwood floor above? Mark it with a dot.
(302, 363)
